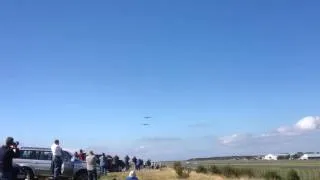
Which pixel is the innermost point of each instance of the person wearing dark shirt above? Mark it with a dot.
(103, 164)
(134, 160)
(7, 153)
(126, 161)
(76, 155)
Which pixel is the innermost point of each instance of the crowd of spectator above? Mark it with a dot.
(105, 163)
(108, 163)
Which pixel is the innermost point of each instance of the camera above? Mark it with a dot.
(15, 144)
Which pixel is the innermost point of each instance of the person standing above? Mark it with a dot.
(82, 155)
(103, 164)
(56, 159)
(91, 161)
(126, 161)
(76, 155)
(138, 164)
(134, 160)
(7, 153)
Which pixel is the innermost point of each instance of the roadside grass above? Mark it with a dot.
(164, 174)
(309, 170)
(218, 170)
(259, 172)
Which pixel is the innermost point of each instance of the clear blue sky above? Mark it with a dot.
(199, 68)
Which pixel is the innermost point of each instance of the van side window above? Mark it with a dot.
(45, 155)
(33, 155)
(28, 154)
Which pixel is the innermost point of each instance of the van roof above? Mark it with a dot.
(35, 148)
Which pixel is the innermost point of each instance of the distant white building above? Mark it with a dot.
(310, 156)
(276, 156)
(270, 157)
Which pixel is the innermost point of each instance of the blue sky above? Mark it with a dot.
(88, 72)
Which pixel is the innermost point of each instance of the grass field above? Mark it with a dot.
(279, 163)
(309, 170)
(164, 174)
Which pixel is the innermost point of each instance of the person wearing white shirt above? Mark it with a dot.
(91, 161)
(56, 159)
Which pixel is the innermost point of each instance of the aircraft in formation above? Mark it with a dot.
(146, 124)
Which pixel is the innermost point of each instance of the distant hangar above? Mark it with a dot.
(306, 156)
(310, 156)
(276, 156)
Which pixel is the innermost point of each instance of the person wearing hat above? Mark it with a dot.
(7, 153)
(91, 161)
(132, 176)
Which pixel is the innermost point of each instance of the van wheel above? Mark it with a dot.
(82, 176)
(29, 174)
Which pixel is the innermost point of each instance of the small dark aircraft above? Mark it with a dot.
(145, 124)
(147, 117)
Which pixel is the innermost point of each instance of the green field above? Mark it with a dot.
(309, 170)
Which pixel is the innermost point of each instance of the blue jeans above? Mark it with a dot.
(56, 163)
(92, 175)
(103, 170)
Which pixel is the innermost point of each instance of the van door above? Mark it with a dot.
(27, 158)
(67, 165)
(44, 163)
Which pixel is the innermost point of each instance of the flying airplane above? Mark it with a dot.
(147, 117)
(145, 124)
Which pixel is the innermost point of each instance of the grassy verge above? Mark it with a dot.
(164, 174)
